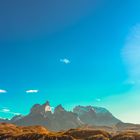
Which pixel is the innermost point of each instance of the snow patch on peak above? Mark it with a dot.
(47, 108)
(100, 110)
(83, 109)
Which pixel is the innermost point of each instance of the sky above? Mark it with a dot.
(70, 52)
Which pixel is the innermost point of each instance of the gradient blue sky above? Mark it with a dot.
(70, 52)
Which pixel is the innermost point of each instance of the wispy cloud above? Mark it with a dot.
(2, 91)
(129, 100)
(131, 55)
(65, 61)
(8, 111)
(32, 91)
(15, 113)
(129, 82)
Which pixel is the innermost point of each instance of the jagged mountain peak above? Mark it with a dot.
(40, 109)
(35, 109)
(59, 108)
(47, 106)
(47, 103)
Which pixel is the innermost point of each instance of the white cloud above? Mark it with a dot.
(15, 113)
(65, 61)
(2, 91)
(32, 91)
(6, 110)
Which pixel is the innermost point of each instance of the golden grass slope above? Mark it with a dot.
(13, 132)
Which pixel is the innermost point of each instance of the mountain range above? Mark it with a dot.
(61, 119)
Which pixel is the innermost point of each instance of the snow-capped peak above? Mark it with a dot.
(47, 108)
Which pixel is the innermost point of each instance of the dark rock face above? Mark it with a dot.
(37, 116)
(95, 116)
(64, 119)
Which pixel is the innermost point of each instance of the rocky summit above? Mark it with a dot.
(95, 115)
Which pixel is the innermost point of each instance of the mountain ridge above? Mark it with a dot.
(61, 119)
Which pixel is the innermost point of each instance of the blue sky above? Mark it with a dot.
(70, 52)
